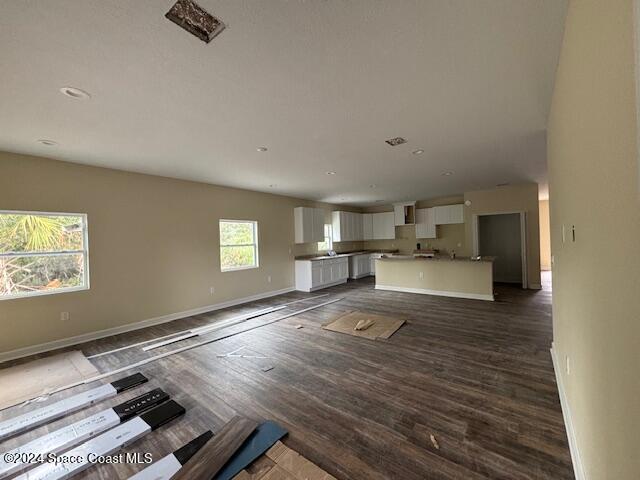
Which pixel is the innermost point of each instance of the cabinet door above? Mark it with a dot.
(456, 213)
(441, 215)
(343, 270)
(431, 224)
(388, 226)
(318, 225)
(336, 229)
(398, 214)
(326, 272)
(425, 226)
(316, 274)
(367, 226)
(376, 226)
(303, 224)
(365, 264)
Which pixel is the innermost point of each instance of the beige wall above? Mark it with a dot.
(592, 158)
(450, 237)
(456, 277)
(511, 198)
(545, 236)
(153, 246)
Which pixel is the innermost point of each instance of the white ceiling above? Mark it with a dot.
(321, 83)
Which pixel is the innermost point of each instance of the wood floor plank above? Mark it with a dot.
(216, 452)
(477, 375)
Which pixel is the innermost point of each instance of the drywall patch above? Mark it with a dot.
(195, 20)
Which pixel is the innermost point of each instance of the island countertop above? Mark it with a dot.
(437, 258)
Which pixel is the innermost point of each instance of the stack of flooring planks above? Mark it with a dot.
(282, 463)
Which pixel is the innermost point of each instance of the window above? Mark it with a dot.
(42, 253)
(238, 245)
(328, 239)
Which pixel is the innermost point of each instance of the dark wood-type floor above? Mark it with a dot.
(476, 375)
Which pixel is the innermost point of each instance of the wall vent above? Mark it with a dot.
(396, 141)
(195, 19)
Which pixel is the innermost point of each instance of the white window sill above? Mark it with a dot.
(41, 293)
(237, 269)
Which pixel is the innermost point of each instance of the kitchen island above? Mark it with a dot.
(460, 277)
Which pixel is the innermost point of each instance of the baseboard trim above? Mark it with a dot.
(440, 293)
(324, 285)
(578, 469)
(88, 337)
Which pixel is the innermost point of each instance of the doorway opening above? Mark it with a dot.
(503, 235)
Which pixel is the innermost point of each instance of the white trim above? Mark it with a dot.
(440, 293)
(578, 469)
(324, 285)
(86, 282)
(87, 337)
(254, 245)
(636, 57)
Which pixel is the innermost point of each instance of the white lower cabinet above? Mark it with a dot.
(316, 274)
(359, 266)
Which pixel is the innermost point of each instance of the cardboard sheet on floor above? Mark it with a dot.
(28, 380)
(382, 326)
(288, 465)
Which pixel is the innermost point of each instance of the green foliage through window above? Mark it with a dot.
(41, 253)
(238, 244)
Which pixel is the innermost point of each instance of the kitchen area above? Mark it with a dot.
(408, 249)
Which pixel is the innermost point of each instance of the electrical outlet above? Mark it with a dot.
(568, 365)
(212, 290)
(64, 316)
(421, 275)
(459, 244)
(289, 251)
(269, 278)
(564, 234)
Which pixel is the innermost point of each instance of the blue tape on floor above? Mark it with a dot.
(259, 442)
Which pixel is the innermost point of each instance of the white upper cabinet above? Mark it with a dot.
(367, 226)
(384, 227)
(425, 223)
(449, 214)
(347, 226)
(308, 224)
(404, 213)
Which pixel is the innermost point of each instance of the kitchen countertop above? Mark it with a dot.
(437, 258)
(343, 255)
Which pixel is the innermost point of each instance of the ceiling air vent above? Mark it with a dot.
(396, 141)
(196, 20)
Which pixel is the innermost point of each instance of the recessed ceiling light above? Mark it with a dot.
(262, 149)
(379, 201)
(48, 143)
(373, 185)
(502, 184)
(331, 173)
(418, 151)
(74, 92)
(447, 174)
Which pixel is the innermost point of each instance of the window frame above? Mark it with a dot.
(85, 255)
(330, 237)
(254, 245)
